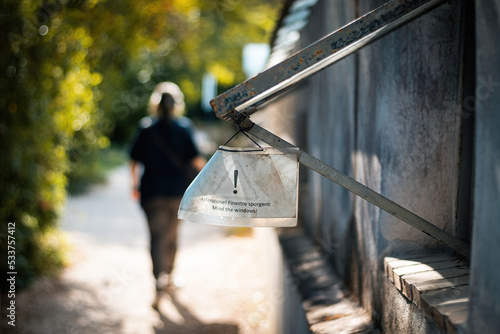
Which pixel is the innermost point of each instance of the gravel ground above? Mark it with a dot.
(109, 288)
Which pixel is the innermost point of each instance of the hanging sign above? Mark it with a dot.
(245, 187)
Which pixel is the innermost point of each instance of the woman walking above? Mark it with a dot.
(163, 150)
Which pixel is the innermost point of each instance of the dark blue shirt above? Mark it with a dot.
(162, 177)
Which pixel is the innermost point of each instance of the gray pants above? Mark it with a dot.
(163, 224)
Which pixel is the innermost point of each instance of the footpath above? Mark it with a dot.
(109, 287)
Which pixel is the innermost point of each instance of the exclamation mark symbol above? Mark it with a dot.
(235, 181)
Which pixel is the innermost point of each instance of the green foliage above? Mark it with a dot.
(77, 73)
(145, 42)
(95, 170)
(49, 116)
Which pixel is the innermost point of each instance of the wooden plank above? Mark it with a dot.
(396, 269)
(439, 285)
(445, 300)
(391, 263)
(422, 267)
(441, 314)
(442, 283)
(457, 310)
(457, 321)
(420, 278)
(425, 287)
(387, 268)
(395, 262)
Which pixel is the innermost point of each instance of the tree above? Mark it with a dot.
(48, 109)
(176, 40)
(78, 72)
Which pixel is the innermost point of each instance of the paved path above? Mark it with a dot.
(109, 287)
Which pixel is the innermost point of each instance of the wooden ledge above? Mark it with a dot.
(439, 285)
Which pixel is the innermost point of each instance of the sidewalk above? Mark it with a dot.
(109, 288)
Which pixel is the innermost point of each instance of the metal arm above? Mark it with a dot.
(362, 191)
(318, 56)
(236, 104)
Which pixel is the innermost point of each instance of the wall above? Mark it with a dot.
(395, 116)
(408, 134)
(485, 296)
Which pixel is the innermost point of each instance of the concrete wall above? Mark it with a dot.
(398, 116)
(408, 133)
(485, 311)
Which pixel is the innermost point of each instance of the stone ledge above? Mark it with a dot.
(439, 285)
(325, 301)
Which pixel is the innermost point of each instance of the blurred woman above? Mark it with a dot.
(164, 148)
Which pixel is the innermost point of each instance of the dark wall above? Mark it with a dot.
(408, 130)
(485, 295)
(393, 117)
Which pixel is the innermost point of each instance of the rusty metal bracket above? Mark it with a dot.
(238, 103)
(318, 56)
(364, 192)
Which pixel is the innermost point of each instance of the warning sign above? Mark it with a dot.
(245, 187)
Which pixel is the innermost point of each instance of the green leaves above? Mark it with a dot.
(77, 73)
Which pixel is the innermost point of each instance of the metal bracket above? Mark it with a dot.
(238, 103)
(364, 192)
(318, 56)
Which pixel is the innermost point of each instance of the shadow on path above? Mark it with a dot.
(58, 306)
(176, 318)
